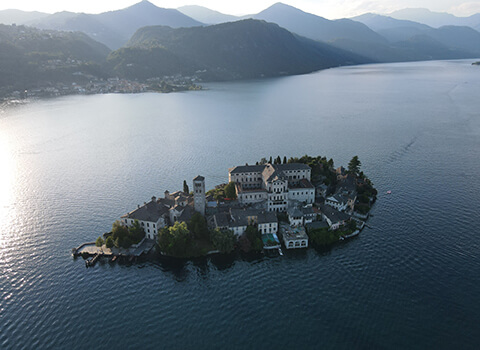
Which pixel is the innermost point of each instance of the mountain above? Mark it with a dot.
(205, 15)
(318, 28)
(115, 28)
(437, 19)
(234, 50)
(19, 17)
(30, 57)
(453, 38)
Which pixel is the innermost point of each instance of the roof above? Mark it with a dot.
(262, 217)
(272, 174)
(292, 166)
(186, 214)
(333, 214)
(221, 220)
(151, 211)
(295, 212)
(247, 169)
(316, 224)
(267, 217)
(260, 168)
(199, 178)
(308, 210)
(337, 198)
(303, 183)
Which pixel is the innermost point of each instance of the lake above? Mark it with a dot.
(71, 166)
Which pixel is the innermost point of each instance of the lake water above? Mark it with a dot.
(71, 166)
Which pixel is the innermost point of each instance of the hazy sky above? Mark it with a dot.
(325, 8)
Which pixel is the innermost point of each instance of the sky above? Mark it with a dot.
(331, 9)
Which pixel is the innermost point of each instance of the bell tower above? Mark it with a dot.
(199, 194)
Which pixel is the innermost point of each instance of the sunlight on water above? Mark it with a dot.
(6, 184)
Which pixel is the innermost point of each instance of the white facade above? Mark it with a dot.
(273, 183)
(270, 227)
(199, 194)
(151, 227)
(337, 202)
(306, 195)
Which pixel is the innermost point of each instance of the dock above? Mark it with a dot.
(95, 253)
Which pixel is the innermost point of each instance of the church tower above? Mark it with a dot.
(199, 194)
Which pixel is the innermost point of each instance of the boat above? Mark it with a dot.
(389, 192)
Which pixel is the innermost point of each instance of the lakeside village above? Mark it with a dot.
(87, 84)
(264, 208)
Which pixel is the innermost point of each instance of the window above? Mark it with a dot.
(126, 221)
(148, 225)
(143, 224)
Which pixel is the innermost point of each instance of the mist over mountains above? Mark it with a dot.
(144, 41)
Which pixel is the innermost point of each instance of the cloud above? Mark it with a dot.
(466, 9)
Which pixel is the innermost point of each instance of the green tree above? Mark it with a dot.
(230, 191)
(109, 242)
(175, 240)
(323, 236)
(284, 159)
(198, 226)
(185, 187)
(255, 238)
(354, 165)
(223, 240)
(136, 232)
(119, 233)
(270, 160)
(99, 242)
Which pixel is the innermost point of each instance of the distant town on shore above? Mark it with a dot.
(266, 207)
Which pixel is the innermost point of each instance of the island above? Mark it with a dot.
(273, 204)
(476, 63)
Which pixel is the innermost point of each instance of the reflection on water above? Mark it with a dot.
(71, 166)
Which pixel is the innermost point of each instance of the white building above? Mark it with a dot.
(152, 216)
(237, 220)
(274, 184)
(199, 194)
(294, 237)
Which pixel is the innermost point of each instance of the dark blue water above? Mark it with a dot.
(71, 166)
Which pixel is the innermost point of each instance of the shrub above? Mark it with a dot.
(99, 242)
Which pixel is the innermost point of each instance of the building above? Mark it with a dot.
(199, 194)
(274, 185)
(237, 220)
(333, 217)
(294, 237)
(152, 216)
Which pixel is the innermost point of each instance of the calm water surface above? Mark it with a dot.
(71, 166)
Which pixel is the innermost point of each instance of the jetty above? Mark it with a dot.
(94, 253)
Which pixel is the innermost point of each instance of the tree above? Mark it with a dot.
(230, 191)
(270, 160)
(109, 242)
(185, 187)
(284, 159)
(198, 226)
(223, 240)
(119, 233)
(323, 236)
(263, 161)
(255, 238)
(99, 242)
(354, 165)
(136, 232)
(278, 160)
(175, 240)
